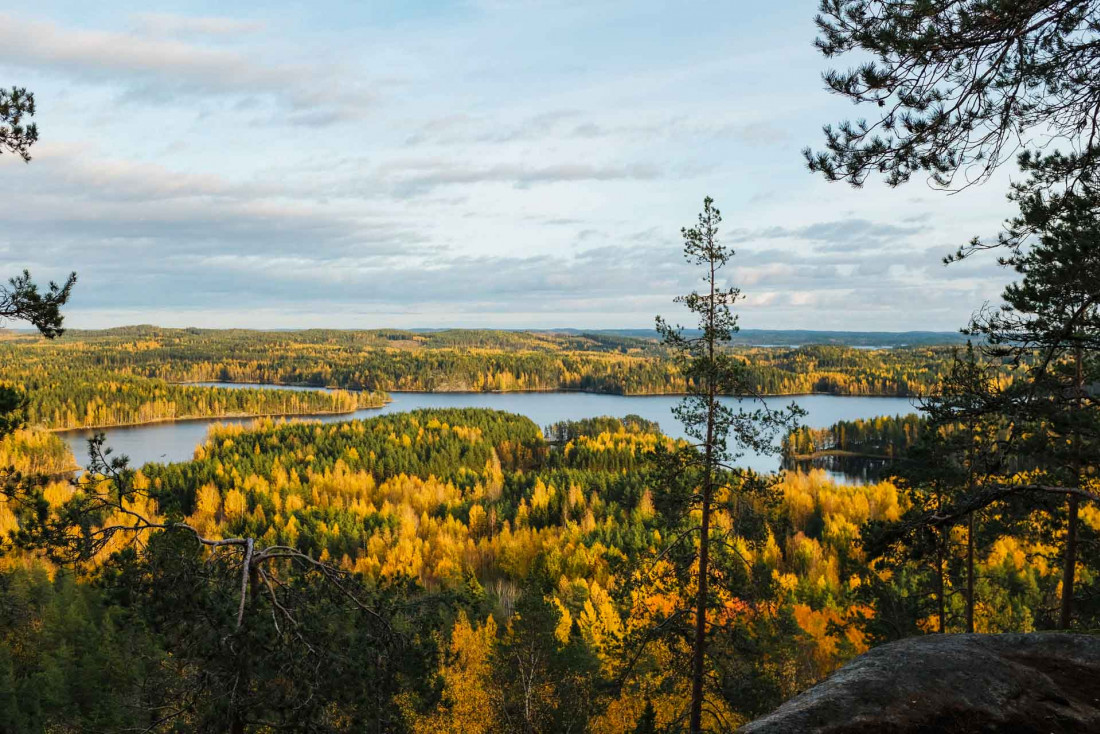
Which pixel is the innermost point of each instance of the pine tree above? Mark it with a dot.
(1049, 328)
(962, 442)
(21, 300)
(16, 135)
(690, 480)
(956, 457)
(956, 86)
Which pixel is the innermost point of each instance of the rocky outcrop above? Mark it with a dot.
(1020, 683)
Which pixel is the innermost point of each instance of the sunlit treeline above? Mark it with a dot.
(62, 395)
(131, 375)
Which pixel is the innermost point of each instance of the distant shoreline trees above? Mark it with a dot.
(101, 378)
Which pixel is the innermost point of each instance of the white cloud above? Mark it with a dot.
(162, 68)
(171, 24)
(480, 164)
(414, 176)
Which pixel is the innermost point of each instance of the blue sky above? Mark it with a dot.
(483, 163)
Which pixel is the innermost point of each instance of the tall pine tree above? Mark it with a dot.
(1049, 327)
(697, 480)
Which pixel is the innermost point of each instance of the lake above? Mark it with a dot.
(176, 441)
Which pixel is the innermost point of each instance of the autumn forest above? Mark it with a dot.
(758, 510)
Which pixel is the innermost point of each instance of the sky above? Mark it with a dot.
(485, 163)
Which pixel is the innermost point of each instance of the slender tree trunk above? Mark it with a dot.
(698, 656)
(970, 534)
(237, 725)
(941, 601)
(699, 648)
(970, 573)
(1069, 568)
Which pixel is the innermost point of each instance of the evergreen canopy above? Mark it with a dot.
(958, 87)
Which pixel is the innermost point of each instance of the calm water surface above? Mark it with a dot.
(169, 442)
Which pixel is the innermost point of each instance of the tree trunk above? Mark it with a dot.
(699, 649)
(237, 725)
(941, 590)
(1069, 567)
(970, 523)
(970, 573)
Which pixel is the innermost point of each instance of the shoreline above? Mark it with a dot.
(211, 418)
(841, 453)
(262, 385)
(389, 400)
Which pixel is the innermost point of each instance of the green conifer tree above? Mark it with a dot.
(690, 479)
(1049, 329)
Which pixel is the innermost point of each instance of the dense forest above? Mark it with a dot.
(133, 374)
(63, 397)
(491, 545)
(464, 570)
(808, 337)
(885, 436)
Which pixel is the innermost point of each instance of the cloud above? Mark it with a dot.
(843, 234)
(171, 24)
(73, 172)
(503, 166)
(127, 219)
(409, 177)
(246, 255)
(144, 236)
(595, 124)
(345, 271)
(601, 278)
(162, 69)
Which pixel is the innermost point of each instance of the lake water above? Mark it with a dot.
(170, 442)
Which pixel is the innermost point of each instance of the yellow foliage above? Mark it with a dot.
(235, 504)
(467, 706)
(208, 501)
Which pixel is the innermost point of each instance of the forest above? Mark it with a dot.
(453, 519)
(882, 437)
(87, 397)
(466, 570)
(139, 374)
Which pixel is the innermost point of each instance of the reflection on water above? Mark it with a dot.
(851, 469)
(176, 441)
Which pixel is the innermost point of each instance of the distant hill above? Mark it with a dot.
(802, 337)
(503, 338)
